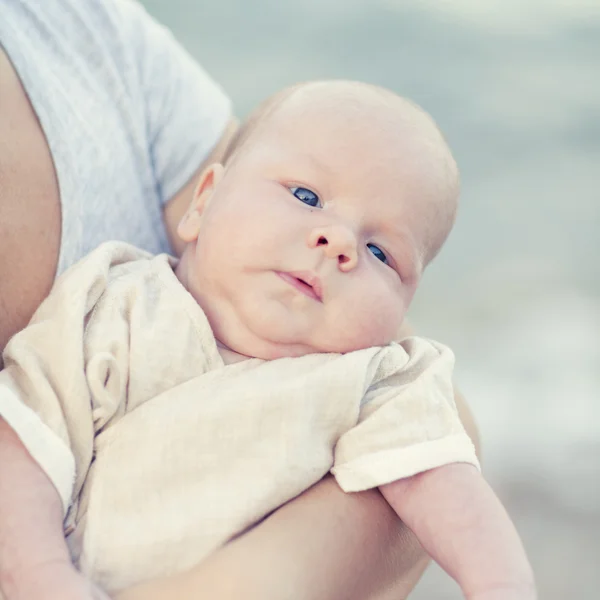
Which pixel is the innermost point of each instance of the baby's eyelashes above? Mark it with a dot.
(306, 196)
(385, 257)
(378, 253)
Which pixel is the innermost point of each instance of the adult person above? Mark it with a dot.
(100, 115)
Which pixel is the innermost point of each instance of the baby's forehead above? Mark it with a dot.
(347, 111)
(372, 119)
(357, 101)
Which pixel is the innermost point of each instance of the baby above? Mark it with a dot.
(171, 405)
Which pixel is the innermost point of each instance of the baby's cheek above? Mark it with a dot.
(381, 327)
(371, 324)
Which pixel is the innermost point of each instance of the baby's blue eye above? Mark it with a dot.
(305, 196)
(378, 253)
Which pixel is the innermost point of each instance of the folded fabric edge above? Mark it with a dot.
(46, 448)
(372, 470)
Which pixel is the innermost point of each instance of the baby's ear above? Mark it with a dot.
(189, 226)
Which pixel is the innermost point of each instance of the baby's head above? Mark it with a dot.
(314, 234)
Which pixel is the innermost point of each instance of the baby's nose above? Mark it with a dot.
(337, 242)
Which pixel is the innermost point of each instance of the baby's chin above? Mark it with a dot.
(272, 349)
(267, 341)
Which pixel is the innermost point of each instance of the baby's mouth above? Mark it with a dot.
(304, 281)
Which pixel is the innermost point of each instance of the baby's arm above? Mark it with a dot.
(34, 559)
(461, 523)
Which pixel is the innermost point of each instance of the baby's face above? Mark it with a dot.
(312, 240)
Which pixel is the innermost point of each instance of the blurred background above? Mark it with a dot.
(515, 86)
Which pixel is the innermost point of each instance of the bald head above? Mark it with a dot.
(390, 119)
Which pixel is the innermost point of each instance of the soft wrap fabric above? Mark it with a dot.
(161, 452)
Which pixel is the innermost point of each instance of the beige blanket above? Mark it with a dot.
(161, 452)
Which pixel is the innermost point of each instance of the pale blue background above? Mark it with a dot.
(515, 85)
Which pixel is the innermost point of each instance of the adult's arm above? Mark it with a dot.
(34, 558)
(323, 545)
(30, 218)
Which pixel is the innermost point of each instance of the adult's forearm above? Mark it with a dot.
(31, 533)
(324, 544)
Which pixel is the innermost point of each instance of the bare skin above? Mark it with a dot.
(30, 216)
(307, 548)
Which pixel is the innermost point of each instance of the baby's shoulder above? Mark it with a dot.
(407, 359)
(116, 275)
(107, 262)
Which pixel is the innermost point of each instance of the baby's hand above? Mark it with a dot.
(53, 581)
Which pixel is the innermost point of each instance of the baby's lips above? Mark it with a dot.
(312, 279)
(306, 282)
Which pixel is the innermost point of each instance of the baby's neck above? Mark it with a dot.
(230, 356)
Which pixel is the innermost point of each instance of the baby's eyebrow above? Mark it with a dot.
(315, 163)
